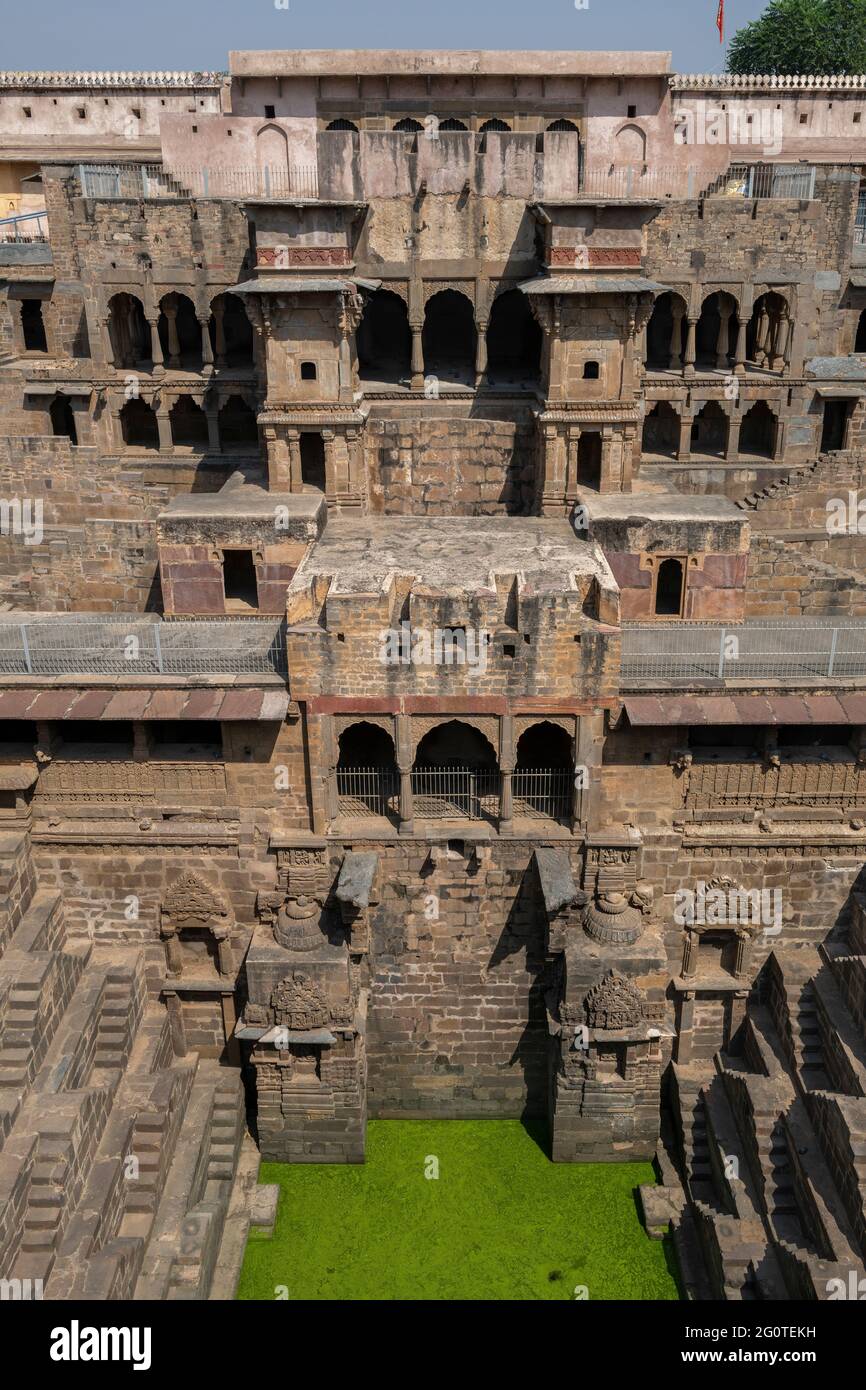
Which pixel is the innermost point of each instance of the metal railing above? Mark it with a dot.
(14, 229)
(543, 793)
(154, 181)
(456, 793)
(633, 181)
(368, 791)
(860, 221)
(129, 645)
(764, 650)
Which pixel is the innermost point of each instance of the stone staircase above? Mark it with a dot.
(117, 1158)
(772, 1140)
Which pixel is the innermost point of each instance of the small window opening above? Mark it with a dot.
(239, 579)
(669, 589)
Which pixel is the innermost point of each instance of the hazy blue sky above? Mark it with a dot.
(159, 34)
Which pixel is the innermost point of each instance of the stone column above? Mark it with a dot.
(689, 355)
(572, 453)
(329, 440)
(686, 1027)
(293, 443)
(163, 424)
(417, 356)
(722, 342)
(732, 446)
(206, 350)
(279, 463)
(214, 443)
(782, 360)
(685, 445)
(218, 311)
(105, 345)
(480, 351)
(678, 310)
(156, 346)
(225, 955)
(740, 349)
(405, 759)
(506, 801)
(173, 958)
(761, 334)
(170, 311)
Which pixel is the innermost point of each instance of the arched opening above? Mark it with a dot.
(451, 124)
(661, 430)
(514, 341)
(128, 331)
(710, 431)
(385, 339)
(455, 775)
(33, 326)
(563, 126)
(409, 126)
(449, 338)
(716, 334)
(664, 334)
(309, 371)
(237, 425)
(368, 783)
(670, 582)
(589, 460)
(758, 431)
(342, 124)
(629, 146)
(231, 333)
(62, 418)
(767, 332)
(860, 340)
(494, 124)
(543, 784)
(591, 371)
(138, 425)
(272, 157)
(179, 332)
(188, 423)
(313, 461)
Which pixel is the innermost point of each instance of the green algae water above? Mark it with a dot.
(457, 1210)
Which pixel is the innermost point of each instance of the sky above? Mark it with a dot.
(94, 35)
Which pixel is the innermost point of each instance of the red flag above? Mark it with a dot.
(720, 21)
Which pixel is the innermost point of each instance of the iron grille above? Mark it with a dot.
(456, 793)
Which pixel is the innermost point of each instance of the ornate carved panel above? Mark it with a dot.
(488, 725)
(814, 782)
(85, 780)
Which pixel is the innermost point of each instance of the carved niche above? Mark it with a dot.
(614, 1004)
(296, 913)
(191, 904)
(299, 1004)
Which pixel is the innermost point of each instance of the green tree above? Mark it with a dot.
(803, 36)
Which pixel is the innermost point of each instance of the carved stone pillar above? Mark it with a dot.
(417, 356)
(296, 479)
(689, 354)
(206, 350)
(722, 342)
(225, 955)
(218, 311)
(156, 346)
(163, 424)
(329, 441)
(106, 348)
(782, 360)
(678, 310)
(214, 443)
(170, 311)
(506, 801)
(761, 335)
(405, 759)
(173, 958)
(685, 444)
(732, 446)
(740, 349)
(480, 351)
